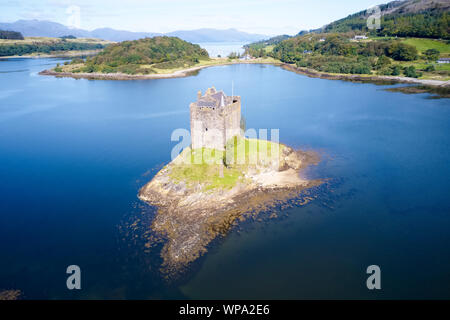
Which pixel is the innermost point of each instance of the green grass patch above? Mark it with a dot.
(247, 152)
(269, 48)
(215, 169)
(204, 166)
(425, 44)
(443, 67)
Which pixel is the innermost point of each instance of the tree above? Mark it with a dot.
(12, 35)
(430, 68)
(411, 72)
(432, 54)
(396, 71)
(233, 55)
(402, 52)
(382, 62)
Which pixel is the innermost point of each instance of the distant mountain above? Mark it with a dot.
(119, 35)
(35, 28)
(214, 35)
(39, 28)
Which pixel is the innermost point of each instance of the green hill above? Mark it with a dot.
(406, 44)
(144, 55)
(340, 53)
(410, 18)
(261, 48)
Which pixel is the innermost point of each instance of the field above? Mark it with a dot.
(425, 44)
(442, 71)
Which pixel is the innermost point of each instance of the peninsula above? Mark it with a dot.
(343, 50)
(171, 57)
(148, 58)
(47, 47)
(221, 178)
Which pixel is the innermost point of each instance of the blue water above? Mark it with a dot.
(74, 153)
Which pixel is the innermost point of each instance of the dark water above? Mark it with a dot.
(73, 154)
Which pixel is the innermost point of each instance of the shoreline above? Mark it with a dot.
(122, 76)
(289, 67)
(68, 54)
(365, 78)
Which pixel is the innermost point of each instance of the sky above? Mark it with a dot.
(269, 17)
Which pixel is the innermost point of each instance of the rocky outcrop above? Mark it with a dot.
(189, 216)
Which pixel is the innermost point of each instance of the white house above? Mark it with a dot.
(444, 60)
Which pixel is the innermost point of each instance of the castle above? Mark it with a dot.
(215, 118)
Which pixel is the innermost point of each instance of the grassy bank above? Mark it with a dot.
(215, 169)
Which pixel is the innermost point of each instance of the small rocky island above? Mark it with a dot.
(221, 178)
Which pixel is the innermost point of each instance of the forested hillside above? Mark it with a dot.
(411, 18)
(142, 56)
(46, 48)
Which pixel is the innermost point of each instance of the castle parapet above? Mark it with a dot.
(215, 118)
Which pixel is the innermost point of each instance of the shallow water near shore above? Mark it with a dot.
(74, 154)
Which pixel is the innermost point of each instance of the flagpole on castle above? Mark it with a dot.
(232, 89)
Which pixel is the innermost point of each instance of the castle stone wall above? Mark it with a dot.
(233, 119)
(211, 127)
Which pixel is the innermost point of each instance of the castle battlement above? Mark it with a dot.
(215, 118)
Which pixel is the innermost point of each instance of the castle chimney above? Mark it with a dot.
(199, 94)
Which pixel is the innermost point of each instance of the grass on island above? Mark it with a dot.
(215, 169)
(204, 166)
(247, 152)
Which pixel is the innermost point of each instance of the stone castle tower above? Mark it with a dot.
(215, 118)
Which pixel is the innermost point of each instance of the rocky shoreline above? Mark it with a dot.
(359, 78)
(10, 294)
(122, 76)
(189, 217)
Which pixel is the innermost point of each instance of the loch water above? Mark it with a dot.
(74, 153)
